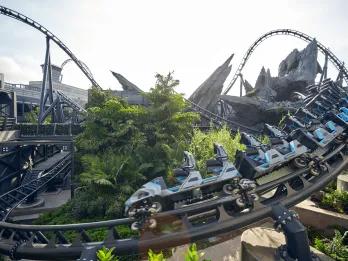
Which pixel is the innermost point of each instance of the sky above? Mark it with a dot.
(141, 38)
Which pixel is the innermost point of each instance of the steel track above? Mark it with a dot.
(24, 19)
(49, 242)
(332, 57)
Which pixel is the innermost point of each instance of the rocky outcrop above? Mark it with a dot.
(252, 111)
(271, 97)
(298, 70)
(126, 85)
(247, 87)
(301, 66)
(207, 94)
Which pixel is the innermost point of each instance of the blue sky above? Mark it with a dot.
(140, 38)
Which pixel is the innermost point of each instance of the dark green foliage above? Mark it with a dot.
(123, 146)
(201, 145)
(336, 201)
(32, 116)
(334, 247)
(105, 254)
(96, 97)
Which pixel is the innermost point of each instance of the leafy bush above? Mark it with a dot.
(334, 248)
(192, 254)
(335, 200)
(152, 256)
(105, 254)
(121, 147)
(202, 145)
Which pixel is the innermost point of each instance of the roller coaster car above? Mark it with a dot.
(306, 116)
(320, 138)
(155, 196)
(259, 160)
(292, 123)
(339, 119)
(317, 108)
(343, 102)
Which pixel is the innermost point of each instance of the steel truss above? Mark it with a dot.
(47, 242)
(24, 19)
(15, 160)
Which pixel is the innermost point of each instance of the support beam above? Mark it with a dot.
(324, 73)
(297, 242)
(47, 86)
(241, 84)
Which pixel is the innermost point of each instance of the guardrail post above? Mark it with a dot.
(297, 243)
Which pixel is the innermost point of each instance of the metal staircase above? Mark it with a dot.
(74, 105)
(32, 183)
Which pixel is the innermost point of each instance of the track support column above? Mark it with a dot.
(297, 243)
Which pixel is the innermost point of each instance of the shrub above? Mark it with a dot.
(334, 248)
(192, 254)
(335, 200)
(152, 256)
(202, 145)
(105, 254)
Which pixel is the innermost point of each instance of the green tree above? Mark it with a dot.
(32, 116)
(124, 145)
(96, 97)
(202, 145)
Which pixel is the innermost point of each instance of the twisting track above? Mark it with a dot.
(64, 242)
(333, 58)
(20, 17)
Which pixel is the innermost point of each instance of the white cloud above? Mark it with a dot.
(140, 38)
(19, 71)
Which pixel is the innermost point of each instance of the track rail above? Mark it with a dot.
(331, 56)
(44, 242)
(21, 17)
(47, 242)
(219, 121)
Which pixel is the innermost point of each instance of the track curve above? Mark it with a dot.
(49, 242)
(24, 19)
(332, 57)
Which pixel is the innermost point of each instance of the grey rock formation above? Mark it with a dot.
(252, 111)
(298, 70)
(126, 85)
(301, 66)
(207, 94)
(247, 87)
(264, 85)
(271, 97)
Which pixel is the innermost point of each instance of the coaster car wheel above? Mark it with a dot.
(339, 139)
(152, 223)
(317, 169)
(228, 189)
(300, 162)
(156, 207)
(240, 202)
(135, 226)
